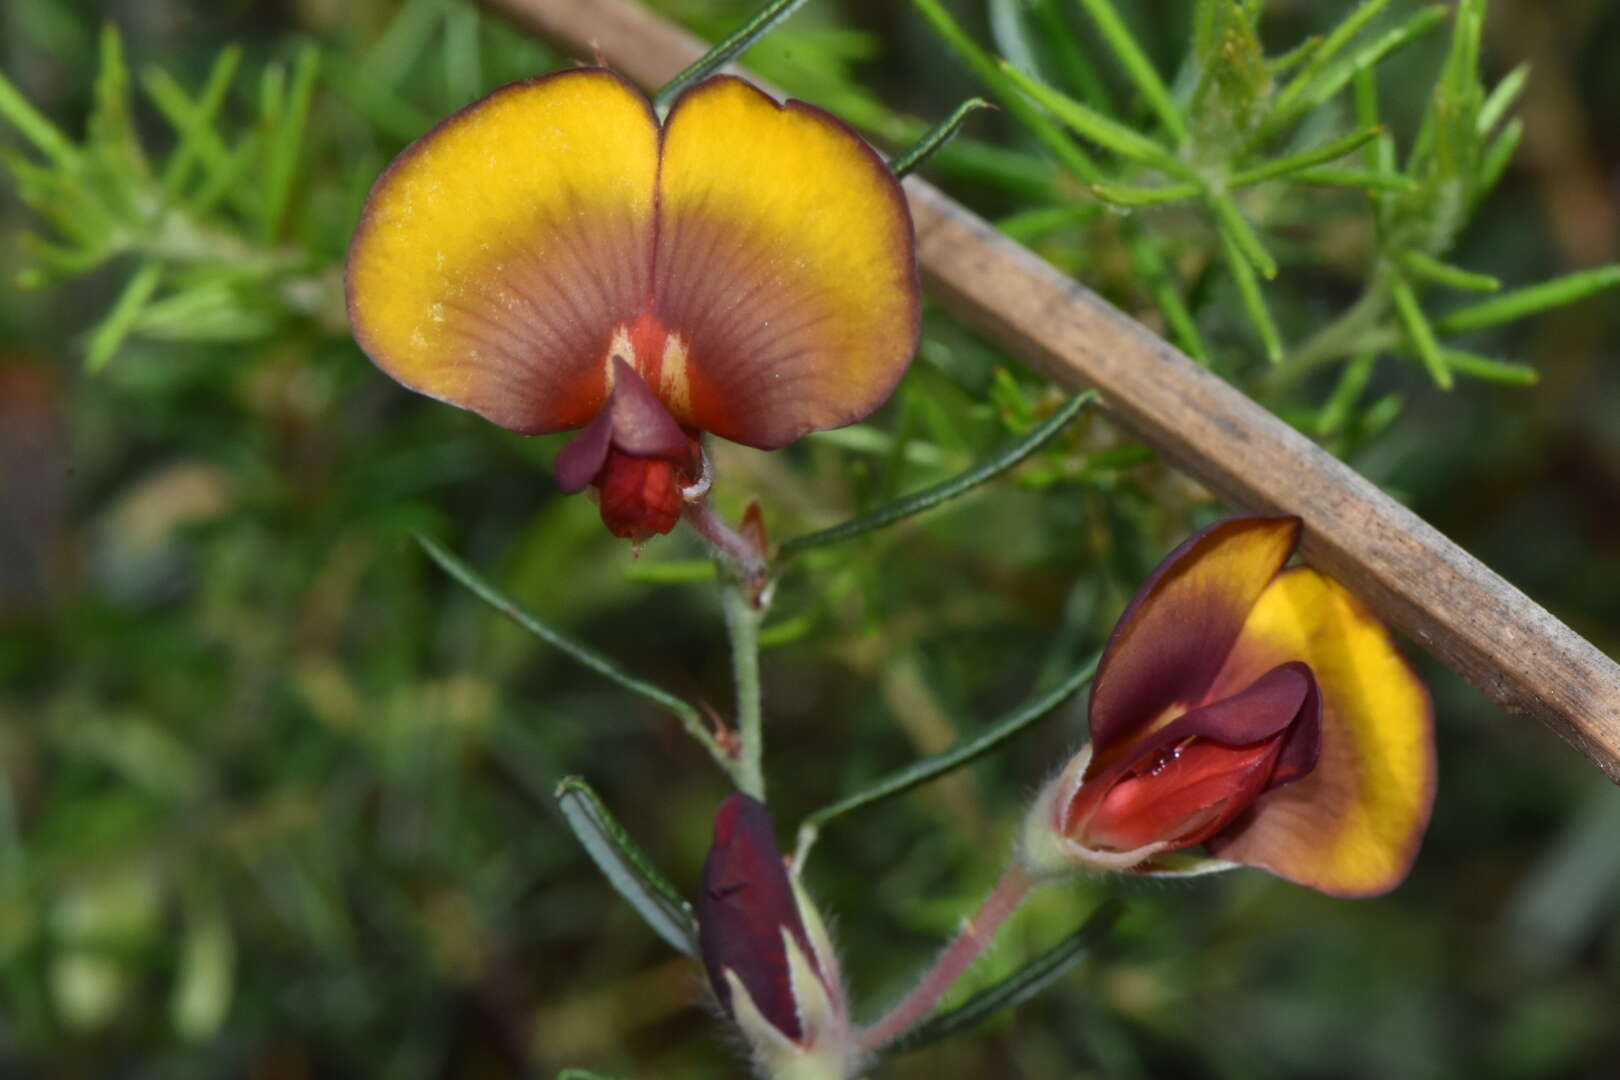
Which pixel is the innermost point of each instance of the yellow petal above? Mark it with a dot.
(499, 253)
(784, 265)
(1352, 826)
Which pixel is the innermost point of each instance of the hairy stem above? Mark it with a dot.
(971, 941)
(1341, 338)
(745, 561)
(742, 625)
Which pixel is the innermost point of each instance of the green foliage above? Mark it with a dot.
(1247, 140)
(211, 263)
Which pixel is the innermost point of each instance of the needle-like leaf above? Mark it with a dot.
(929, 498)
(626, 866)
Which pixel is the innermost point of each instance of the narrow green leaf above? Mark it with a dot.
(1059, 145)
(1075, 63)
(1028, 225)
(1384, 412)
(626, 866)
(583, 1074)
(1137, 66)
(1019, 174)
(1329, 47)
(968, 750)
(120, 320)
(929, 498)
(1304, 159)
(757, 26)
(196, 139)
(1498, 153)
(1165, 290)
(1352, 384)
(1236, 228)
(579, 652)
(1497, 371)
(1374, 52)
(1010, 36)
(1125, 195)
(1531, 300)
(224, 177)
(1093, 125)
(286, 141)
(1253, 300)
(463, 67)
(1293, 58)
(1432, 269)
(111, 130)
(193, 123)
(1333, 176)
(936, 138)
(205, 969)
(394, 55)
(1307, 91)
(1017, 988)
(787, 631)
(1419, 332)
(1503, 97)
(32, 125)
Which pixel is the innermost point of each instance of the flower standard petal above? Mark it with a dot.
(1352, 825)
(784, 266)
(1172, 641)
(498, 254)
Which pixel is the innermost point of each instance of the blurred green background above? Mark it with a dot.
(275, 796)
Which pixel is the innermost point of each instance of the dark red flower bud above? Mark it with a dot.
(743, 909)
(766, 953)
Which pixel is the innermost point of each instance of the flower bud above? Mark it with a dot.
(767, 954)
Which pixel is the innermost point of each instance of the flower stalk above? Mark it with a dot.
(972, 940)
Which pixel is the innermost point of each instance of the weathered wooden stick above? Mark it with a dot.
(1484, 628)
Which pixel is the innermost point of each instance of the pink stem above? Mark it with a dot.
(975, 936)
(744, 558)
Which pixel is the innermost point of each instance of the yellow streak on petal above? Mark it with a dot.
(1352, 827)
(673, 387)
(497, 253)
(784, 263)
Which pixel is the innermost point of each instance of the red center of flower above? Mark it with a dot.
(634, 452)
(640, 497)
(1187, 793)
(1186, 781)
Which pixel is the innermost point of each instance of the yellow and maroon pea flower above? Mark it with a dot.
(767, 953)
(1259, 711)
(553, 258)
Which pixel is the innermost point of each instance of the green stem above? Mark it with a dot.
(691, 719)
(742, 626)
(929, 768)
(1340, 338)
(733, 43)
